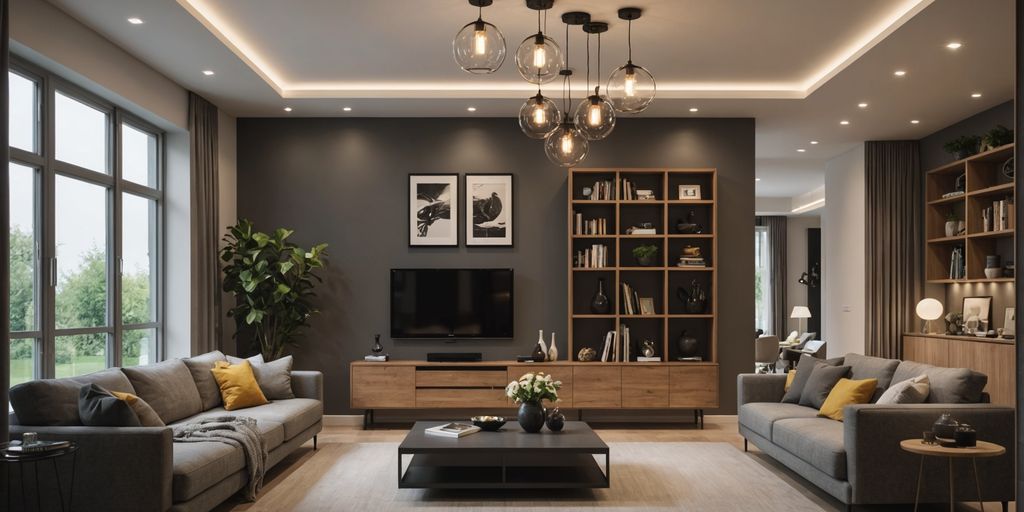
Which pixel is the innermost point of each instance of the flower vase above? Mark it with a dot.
(531, 417)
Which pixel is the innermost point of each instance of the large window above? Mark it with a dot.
(85, 201)
(762, 282)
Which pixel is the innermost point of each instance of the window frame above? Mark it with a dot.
(115, 186)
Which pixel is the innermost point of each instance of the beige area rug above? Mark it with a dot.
(645, 476)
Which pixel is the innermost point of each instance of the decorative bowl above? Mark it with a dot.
(488, 423)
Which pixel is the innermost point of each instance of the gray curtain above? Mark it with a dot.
(202, 127)
(776, 227)
(5, 294)
(894, 232)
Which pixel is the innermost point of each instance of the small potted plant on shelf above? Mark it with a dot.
(963, 146)
(952, 223)
(645, 255)
(996, 137)
(529, 392)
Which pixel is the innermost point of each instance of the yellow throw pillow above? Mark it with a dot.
(847, 392)
(789, 379)
(238, 386)
(147, 416)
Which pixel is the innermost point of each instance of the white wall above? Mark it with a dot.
(843, 254)
(796, 264)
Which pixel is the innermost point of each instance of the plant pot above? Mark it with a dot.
(645, 261)
(951, 228)
(992, 273)
(531, 417)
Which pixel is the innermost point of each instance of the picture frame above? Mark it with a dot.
(978, 308)
(489, 210)
(646, 306)
(1010, 322)
(689, 192)
(433, 210)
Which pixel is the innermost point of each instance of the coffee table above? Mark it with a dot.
(506, 459)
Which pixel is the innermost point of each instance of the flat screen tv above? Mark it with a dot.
(451, 303)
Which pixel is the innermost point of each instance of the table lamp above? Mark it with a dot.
(928, 309)
(802, 313)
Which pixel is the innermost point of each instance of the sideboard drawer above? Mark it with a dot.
(380, 387)
(597, 386)
(457, 398)
(460, 378)
(645, 387)
(694, 386)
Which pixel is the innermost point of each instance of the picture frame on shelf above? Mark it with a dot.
(647, 306)
(689, 193)
(979, 311)
(1010, 322)
(433, 210)
(489, 210)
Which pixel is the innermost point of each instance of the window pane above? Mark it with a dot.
(81, 134)
(138, 347)
(81, 354)
(23, 123)
(138, 156)
(138, 254)
(23, 268)
(23, 354)
(81, 218)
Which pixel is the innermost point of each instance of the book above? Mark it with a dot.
(644, 231)
(36, 447)
(454, 430)
(383, 358)
(607, 346)
(643, 359)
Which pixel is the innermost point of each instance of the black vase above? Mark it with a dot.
(556, 420)
(599, 305)
(377, 347)
(531, 417)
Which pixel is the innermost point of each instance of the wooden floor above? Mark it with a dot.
(718, 429)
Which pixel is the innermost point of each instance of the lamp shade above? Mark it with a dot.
(929, 309)
(800, 312)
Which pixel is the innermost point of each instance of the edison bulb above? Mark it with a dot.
(480, 41)
(567, 143)
(630, 83)
(566, 146)
(538, 116)
(595, 117)
(631, 88)
(479, 48)
(540, 56)
(539, 59)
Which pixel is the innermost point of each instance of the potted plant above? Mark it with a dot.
(996, 137)
(529, 392)
(272, 280)
(952, 223)
(645, 254)
(963, 146)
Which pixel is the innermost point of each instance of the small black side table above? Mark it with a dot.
(34, 458)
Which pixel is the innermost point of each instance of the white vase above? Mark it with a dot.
(951, 228)
(552, 349)
(994, 272)
(540, 341)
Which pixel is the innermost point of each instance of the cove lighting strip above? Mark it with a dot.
(809, 206)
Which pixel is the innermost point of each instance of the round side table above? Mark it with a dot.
(983, 449)
(34, 458)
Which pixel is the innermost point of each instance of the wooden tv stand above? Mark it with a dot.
(481, 385)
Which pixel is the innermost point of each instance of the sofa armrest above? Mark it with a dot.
(758, 387)
(881, 472)
(116, 468)
(308, 384)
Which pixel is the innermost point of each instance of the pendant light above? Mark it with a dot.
(595, 116)
(539, 116)
(631, 88)
(566, 145)
(479, 48)
(538, 57)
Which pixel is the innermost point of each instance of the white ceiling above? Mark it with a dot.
(797, 66)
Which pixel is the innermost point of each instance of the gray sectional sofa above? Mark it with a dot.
(859, 460)
(140, 468)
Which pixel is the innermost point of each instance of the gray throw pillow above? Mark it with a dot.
(804, 367)
(910, 391)
(200, 366)
(168, 388)
(946, 385)
(274, 378)
(820, 384)
(98, 408)
(51, 402)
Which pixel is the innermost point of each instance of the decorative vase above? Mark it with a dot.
(688, 345)
(540, 352)
(645, 261)
(599, 305)
(951, 228)
(552, 349)
(695, 300)
(688, 227)
(945, 427)
(531, 417)
(556, 420)
(377, 347)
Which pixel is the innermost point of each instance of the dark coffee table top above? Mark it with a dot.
(576, 437)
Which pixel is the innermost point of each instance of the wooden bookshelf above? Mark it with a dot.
(658, 281)
(983, 185)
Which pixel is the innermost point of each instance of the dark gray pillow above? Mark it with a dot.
(200, 366)
(274, 377)
(168, 388)
(804, 367)
(49, 402)
(820, 384)
(947, 385)
(98, 408)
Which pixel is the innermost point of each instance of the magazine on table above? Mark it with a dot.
(453, 430)
(36, 447)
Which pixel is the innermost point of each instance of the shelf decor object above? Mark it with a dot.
(479, 48)
(631, 88)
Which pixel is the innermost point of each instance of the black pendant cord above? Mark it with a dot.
(567, 87)
(538, 21)
(629, 41)
(598, 86)
(588, 62)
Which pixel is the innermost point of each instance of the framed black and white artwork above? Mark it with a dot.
(434, 210)
(489, 210)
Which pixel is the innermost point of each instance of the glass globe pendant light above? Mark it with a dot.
(539, 116)
(479, 48)
(538, 57)
(595, 116)
(566, 146)
(631, 88)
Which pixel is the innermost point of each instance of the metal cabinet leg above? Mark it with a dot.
(744, 444)
(314, 443)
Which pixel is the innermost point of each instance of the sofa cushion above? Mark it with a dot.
(238, 386)
(199, 466)
(946, 385)
(868, 367)
(54, 402)
(297, 414)
(816, 441)
(820, 384)
(910, 391)
(98, 408)
(804, 367)
(274, 377)
(168, 388)
(147, 416)
(847, 392)
(200, 366)
(272, 431)
(760, 416)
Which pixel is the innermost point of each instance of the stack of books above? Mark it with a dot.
(603, 191)
(590, 226)
(21, 450)
(999, 216)
(377, 358)
(645, 195)
(454, 430)
(594, 257)
(610, 352)
(630, 300)
(957, 264)
(691, 261)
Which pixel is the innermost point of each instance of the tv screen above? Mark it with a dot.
(451, 303)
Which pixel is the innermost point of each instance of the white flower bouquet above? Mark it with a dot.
(533, 388)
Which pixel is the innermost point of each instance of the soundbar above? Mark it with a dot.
(454, 357)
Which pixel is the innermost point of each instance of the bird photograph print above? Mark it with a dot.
(489, 209)
(433, 210)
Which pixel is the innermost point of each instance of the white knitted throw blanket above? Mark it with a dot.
(235, 431)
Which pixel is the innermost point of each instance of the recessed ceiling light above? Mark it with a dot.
(135, 21)
(801, 150)
(862, 105)
(208, 72)
(287, 109)
(814, 142)
(347, 109)
(757, 179)
(953, 45)
(471, 109)
(694, 109)
(915, 121)
(899, 72)
(976, 95)
(844, 122)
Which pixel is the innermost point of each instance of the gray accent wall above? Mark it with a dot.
(344, 182)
